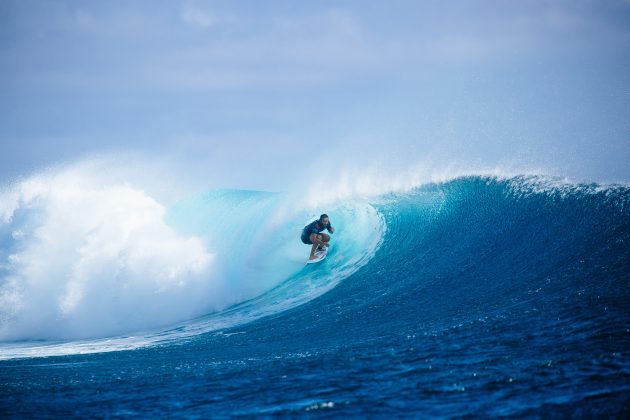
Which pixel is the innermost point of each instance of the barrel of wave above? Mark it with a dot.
(255, 237)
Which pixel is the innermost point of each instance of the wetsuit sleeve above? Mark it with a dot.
(329, 227)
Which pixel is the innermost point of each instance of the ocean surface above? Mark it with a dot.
(479, 296)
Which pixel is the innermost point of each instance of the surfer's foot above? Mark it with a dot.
(312, 257)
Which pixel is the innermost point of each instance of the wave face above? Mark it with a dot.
(478, 296)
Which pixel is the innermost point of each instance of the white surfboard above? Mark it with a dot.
(319, 255)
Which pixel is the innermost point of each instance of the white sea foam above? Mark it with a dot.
(81, 258)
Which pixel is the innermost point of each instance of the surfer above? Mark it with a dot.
(312, 234)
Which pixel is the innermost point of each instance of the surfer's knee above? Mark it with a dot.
(325, 237)
(314, 237)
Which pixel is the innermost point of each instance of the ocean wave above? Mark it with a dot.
(476, 241)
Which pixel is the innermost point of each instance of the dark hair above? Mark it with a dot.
(323, 216)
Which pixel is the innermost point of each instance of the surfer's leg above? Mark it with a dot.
(315, 239)
(323, 240)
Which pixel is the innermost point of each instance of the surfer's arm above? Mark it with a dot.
(330, 229)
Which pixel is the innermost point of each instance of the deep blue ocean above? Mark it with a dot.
(475, 297)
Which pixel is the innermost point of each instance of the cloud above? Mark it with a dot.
(198, 18)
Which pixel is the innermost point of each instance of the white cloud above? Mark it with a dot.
(199, 18)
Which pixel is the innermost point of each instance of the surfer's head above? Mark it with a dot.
(324, 218)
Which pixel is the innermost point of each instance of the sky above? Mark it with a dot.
(251, 94)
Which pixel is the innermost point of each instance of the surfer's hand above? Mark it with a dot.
(332, 229)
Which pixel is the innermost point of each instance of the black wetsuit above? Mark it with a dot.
(315, 227)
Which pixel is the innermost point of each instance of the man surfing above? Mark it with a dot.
(312, 234)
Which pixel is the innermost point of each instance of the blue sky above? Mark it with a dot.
(239, 87)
